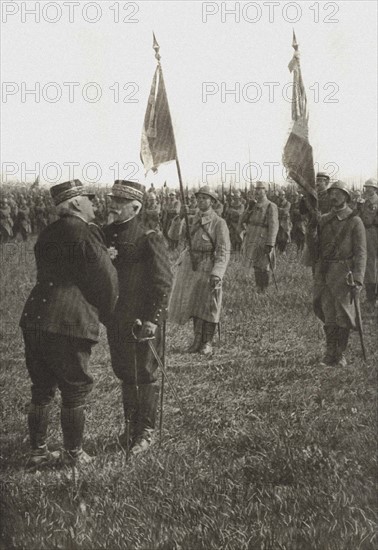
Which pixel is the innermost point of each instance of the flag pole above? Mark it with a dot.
(156, 47)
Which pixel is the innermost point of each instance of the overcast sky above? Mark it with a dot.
(93, 49)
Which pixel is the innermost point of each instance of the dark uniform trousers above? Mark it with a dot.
(57, 361)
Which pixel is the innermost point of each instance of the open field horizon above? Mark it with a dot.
(272, 452)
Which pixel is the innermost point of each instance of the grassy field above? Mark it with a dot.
(272, 451)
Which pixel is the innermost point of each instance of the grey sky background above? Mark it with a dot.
(202, 47)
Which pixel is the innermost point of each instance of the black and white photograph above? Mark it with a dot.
(189, 275)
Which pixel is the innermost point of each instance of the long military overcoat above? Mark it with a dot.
(337, 258)
(192, 295)
(369, 216)
(262, 228)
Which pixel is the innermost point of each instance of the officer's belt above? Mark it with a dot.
(259, 224)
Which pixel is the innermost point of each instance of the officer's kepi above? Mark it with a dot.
(130, 190)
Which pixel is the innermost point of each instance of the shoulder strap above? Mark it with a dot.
(210, 237)
(342, 232)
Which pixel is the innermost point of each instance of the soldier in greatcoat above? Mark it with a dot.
(76, 288)
(233, 217)
(369, 215)
(171, 211)
(341, 260)
(284, 219)
(141, 259)
(23, 222)
(197, 286)
(261, 225)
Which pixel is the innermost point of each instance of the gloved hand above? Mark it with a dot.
(214, 281)
(268, 248)
(148, 330)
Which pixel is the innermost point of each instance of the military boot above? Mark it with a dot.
(130, 410)
(262, 280)
(145, 426)
(38, 419)
(331, 334)
(196, 344)
(72, 421)
(208, 332)
(342, 343)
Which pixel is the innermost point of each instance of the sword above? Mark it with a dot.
(355, 299)
(138, 323)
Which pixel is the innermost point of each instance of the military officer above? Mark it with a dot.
(342, 259)
(76, 288)
(261, 225)
(141, 259)
(197, 286)
(369, 216)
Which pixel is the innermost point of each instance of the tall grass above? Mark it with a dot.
(272, 451)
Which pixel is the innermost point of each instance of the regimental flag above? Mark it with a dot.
(158, 141)
(297, 156)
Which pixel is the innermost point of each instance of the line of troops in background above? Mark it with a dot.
(25, 211)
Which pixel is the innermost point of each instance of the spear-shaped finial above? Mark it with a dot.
(294, 43)
(156, 47)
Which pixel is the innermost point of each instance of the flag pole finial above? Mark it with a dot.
(294, 43)
(156, 47)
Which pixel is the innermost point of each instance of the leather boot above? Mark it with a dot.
(72, 422)
(331, 334)
(147, 409)
(208, 332)
(262, 280)
(38, 419)
(342, 343)
(196, 344)
(130, 410)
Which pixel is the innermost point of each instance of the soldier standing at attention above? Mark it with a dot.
(369, 215)
(76, 288)
(197, 286)
(261, 225)
(141, 259)
(342, 254)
